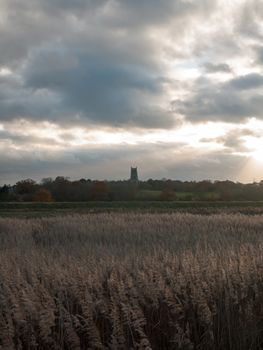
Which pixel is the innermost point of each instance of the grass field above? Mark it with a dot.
(132, 281)
(180, 196)
(33, 209)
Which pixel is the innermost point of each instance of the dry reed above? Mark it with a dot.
(132, 281)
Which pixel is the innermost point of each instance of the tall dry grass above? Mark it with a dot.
(132, 281)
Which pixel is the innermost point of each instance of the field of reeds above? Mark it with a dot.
(132, 281)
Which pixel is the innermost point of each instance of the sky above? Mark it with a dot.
(89, 88)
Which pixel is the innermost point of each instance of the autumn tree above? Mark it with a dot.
(99, 191)
(43, 195)
(167, 193)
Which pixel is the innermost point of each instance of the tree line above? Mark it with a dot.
(63, 189)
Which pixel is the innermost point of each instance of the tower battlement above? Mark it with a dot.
(134, 175)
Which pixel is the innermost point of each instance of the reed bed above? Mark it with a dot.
(132, 281)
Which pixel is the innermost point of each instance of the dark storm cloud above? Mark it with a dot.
(97, 88)
(88, 61)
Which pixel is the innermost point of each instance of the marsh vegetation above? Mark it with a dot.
(132, 281)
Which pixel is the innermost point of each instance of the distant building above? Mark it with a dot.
(134, 175)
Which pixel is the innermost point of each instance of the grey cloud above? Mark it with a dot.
(78, 6)
(104, 62)
(259, 54)
(94, 87)
(235, 35)
(249, 19)
(97, 162)
(234, 139)
(17, 101)
(24, 166)
(213, 166)
(231, 101)
(25, 140)
(28, 24)
(185, 165)
(89, 61)
(222, 105)
(114, 163)
(145, 12)
(249, 81)
(71, 86)
(217, 68)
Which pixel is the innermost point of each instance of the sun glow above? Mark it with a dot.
(258, 155)
(199, 139)
(5, 71)
(255, 147)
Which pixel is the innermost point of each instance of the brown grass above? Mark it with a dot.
(132, 281)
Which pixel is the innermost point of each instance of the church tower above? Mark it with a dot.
(134, 175)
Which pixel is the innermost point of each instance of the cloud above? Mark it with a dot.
(151, 13)
(249, 81)
(215, 166)
(217, 68)
(114, 163)
(94, 87)
(88, 62)
(259, 54)
(234, 140)
(126, 65)
(230, 101)
(96, 162)
(249, 20)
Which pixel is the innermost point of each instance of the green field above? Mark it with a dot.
(151, 195)
(30, 209)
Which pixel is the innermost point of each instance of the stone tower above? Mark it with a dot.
(134, 175)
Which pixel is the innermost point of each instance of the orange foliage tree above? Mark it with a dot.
(99, 191)
(43, 195)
